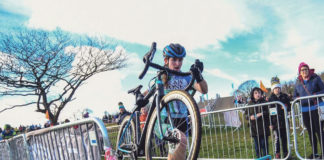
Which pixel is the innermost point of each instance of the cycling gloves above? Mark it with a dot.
(196, 70)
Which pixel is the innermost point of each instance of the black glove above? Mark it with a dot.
(196, 70)
(199, 65)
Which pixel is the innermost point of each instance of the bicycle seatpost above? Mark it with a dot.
(137, 127)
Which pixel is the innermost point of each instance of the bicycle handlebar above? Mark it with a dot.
(147, 60)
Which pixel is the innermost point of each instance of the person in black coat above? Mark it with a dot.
(278, 123)
(259, 122)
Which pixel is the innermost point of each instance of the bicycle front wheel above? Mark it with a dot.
(189, 124)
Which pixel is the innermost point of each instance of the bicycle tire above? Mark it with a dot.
(151, 148)
(131, 129)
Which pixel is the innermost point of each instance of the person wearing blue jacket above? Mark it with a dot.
(122, 113)
(308, 83)
(8, 132)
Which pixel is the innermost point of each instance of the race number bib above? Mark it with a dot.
(273, 111)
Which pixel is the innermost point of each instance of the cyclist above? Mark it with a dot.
(8, 132)
(174, 55)
(173, 59)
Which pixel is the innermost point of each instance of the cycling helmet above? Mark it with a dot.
(174, 50)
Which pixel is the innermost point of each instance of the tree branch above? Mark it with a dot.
(22, 105)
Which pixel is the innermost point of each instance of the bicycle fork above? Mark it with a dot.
(159, 96)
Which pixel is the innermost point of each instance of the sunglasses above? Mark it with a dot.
(303, 70)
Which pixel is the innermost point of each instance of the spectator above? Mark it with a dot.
(122, 112)
(47, 124)
(143, 117)
(21, 129)
(66, 121)
(259, 122)
(8, 132)
(307, 84)
(86, 114)
(32, 128)
(105, 119)
(278, 117)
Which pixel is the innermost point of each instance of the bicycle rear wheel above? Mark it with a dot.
(190, 125)
(128, 140)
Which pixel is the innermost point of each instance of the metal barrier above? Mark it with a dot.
(19, 148)
(4, 150)
(83, 139)
(309, 128)
(227, 133)
(222, 140)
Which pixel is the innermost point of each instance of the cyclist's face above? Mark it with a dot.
(174, 63)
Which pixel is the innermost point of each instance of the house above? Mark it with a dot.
(216, 104)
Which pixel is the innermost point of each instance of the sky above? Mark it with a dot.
(236, 41)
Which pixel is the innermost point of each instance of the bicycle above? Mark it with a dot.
(159, 132)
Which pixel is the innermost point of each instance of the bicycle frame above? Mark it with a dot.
(157, 93)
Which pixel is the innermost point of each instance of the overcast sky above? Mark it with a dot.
(236, 40)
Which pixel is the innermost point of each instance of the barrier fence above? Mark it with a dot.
(84, 139)
(226, 134)
(4, 150)
(308, 126)
(18, 147)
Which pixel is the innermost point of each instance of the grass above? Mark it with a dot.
(226, 142)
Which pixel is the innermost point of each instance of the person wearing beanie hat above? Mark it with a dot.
(308, 83)
(259, 122)
(277, 113)
(122, 113)
(121, 107)
(275, 82)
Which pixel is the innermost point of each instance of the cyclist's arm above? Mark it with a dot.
(201, 87)
(145, 92)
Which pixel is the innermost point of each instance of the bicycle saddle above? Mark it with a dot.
(135, 90)
(140, 101)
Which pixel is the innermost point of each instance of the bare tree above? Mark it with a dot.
(49, 67)
(288, 87)
(245, 88)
